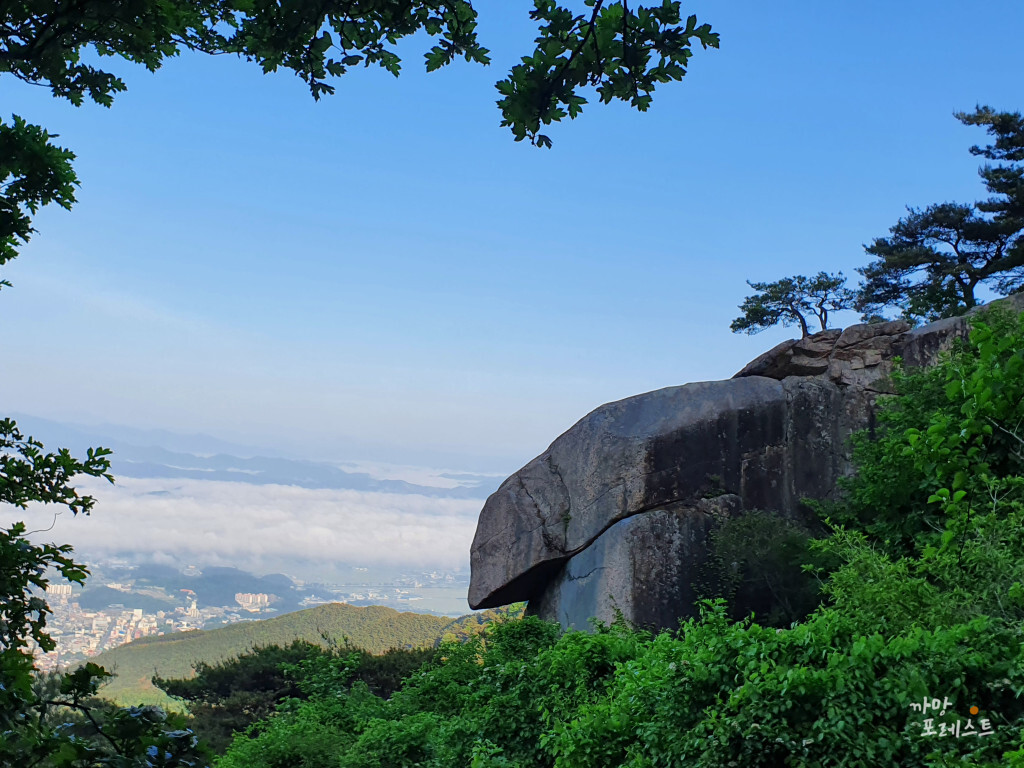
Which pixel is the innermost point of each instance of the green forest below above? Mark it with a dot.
(917, 576)
(374, 629)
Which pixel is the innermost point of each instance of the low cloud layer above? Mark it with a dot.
(263, 528)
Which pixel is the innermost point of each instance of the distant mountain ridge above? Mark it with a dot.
(213, 586)
(372, 628)
(133, 459)
(342, 449)
(259, 470)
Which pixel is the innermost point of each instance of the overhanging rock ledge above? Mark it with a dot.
(613, 516)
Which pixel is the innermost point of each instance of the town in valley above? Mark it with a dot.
(124, 602)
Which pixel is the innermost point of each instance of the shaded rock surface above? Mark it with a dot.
(614, 514)
(641, 567)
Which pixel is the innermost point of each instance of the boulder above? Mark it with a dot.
(865, 333)
(613, 516)
(771, 363)
(848, 357)
(765, 441)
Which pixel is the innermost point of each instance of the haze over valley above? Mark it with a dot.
(192, 521)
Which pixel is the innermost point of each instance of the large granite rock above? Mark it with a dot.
(768, 442)
(614, 515)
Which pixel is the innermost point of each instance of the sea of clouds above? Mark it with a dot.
(262, 528)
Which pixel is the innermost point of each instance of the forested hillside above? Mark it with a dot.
(373, 628)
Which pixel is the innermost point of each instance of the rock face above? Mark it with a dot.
(613, 516)
(642, 566)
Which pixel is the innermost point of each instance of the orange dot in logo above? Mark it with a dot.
(974, 710)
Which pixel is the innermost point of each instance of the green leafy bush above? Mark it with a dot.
(755, 562)
(717, 693)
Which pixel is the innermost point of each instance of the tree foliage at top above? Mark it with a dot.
(623, 52)
(936, 259)
(793, 301)
(33, 172)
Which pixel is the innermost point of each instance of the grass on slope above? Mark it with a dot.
(373, 628)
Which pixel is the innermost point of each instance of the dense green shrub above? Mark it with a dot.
(755, 563)
(229, 696)
(718, 693)
(952, 440)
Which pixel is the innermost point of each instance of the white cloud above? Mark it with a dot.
(258, 527)
(432, 478)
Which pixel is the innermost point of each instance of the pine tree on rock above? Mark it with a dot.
(793, 301)
(936, 259)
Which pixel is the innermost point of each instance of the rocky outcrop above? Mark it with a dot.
(860, 356)
(613, 515)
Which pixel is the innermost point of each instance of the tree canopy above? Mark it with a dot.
(793, 301)
(622, 51)
(1005, 180)
(937, 258)
(625, 52)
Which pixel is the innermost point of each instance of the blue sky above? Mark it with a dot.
(387, 268)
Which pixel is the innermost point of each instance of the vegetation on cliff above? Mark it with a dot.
(935, 260)
(797, 300)
(923, 607)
